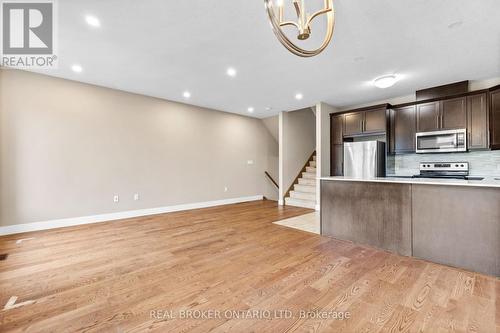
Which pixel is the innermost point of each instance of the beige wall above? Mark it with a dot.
(272, 125)
(299, 142)
(67, 148)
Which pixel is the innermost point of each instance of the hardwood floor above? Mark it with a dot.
(125, 276)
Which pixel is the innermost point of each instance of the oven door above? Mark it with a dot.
(442, 141)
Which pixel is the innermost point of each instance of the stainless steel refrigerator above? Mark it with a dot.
(364, 159)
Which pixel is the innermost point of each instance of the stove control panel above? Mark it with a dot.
(444, 166)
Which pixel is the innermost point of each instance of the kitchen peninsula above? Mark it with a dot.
(447, 132)
(452, 222)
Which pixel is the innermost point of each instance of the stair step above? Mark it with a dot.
(300, 203)
(311, 169)
(303, 195)
(312, 164)
(309, 175)
(305, 188)
(307, 181)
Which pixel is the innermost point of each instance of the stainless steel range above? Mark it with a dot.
(453, 170)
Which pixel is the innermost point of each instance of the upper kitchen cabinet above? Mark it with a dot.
(337, 129)
(376, 121)
(442, 115)
(353, 123)
(477, 121)
(403, 130)
(495, 118)
(428, 117)
(371, 121)
(453, 113)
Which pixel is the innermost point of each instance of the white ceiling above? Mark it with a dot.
(161, 48)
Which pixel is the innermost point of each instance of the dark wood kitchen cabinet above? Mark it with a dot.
(353, 123)
(442, 115)
(337, 145)
(477, 122)
(428, 117)
(375, 121)
(337, 129)
(495, 118)
(403, 130)
(337, 158)
(365, 122)
(453, 113)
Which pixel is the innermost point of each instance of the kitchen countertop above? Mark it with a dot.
(486, 182)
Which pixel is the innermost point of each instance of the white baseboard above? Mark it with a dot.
(36, 226)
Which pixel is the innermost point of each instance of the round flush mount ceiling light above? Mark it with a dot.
(385, 81)
(299, 96)
(92, 21)
(251, 109)
(186, 94)
(231, 72)
(77, 68)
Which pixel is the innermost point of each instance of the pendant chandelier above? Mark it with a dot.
(303, 25)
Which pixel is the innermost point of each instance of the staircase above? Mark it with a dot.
(304, 188)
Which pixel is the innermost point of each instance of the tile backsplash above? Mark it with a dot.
(482, 163)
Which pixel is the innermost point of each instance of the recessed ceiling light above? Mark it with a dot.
(186, 94)
(77, 68)
(231, 72)
(385, 81)
(251, 109)
(92, 21)
(269, 108)
(299, 96)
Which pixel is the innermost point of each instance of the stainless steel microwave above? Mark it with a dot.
(449, 141)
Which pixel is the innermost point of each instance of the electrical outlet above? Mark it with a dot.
(225, 189)
(136, 197)
(250, 162)
(116, 199)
